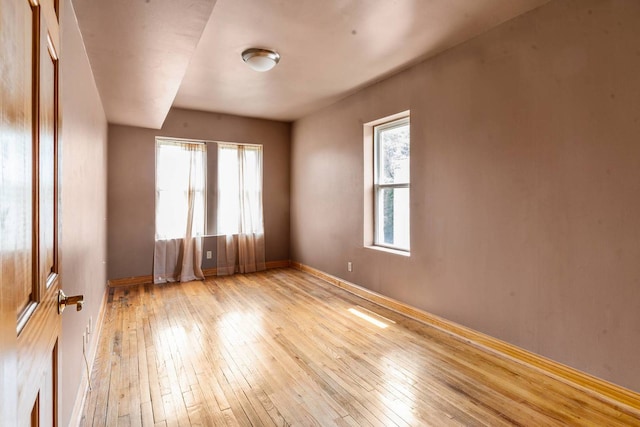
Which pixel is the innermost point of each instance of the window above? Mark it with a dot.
(239, 189)
(180, 188)
(391, 184)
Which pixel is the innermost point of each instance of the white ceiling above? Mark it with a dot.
(148, 55)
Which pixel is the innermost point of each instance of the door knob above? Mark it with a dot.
(64, 301)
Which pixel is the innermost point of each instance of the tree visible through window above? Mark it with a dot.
(391, 184)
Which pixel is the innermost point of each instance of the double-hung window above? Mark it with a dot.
(180, 188)
(391, 184)
(239, 189)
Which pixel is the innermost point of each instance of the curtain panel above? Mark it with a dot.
(240, 225)
(180, 210)
(172, 263)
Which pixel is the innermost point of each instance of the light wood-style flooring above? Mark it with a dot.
(285, 348)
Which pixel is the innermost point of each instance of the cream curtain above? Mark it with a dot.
(180, 188)
(240, 227)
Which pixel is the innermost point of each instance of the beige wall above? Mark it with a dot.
(525, 209)
(83, 238)
(131, 199)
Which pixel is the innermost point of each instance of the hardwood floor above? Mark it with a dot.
(284, 348)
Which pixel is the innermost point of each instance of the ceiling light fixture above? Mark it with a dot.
(260, 59)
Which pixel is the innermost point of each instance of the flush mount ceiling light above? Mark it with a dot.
(260, 59)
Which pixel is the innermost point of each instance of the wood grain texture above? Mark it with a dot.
(282, 348)
(37, 349)
(208, 272)
(47, 149)
(129, 281)
(589, 383)
(16, 171)
(15, 191)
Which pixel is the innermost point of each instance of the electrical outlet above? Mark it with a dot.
(209, 255)
(349, 266)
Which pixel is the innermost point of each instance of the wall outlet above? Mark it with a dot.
(209, 255)
(349, 266)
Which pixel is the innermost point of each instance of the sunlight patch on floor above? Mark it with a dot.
(368, 317)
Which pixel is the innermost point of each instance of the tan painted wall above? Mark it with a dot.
(131, 200)
(525, 209)
(83, 238)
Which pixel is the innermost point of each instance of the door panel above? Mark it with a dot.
(29, 321)
(47, 158)
(16, 248)
(17, 170)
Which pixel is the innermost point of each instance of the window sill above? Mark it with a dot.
(389, 250)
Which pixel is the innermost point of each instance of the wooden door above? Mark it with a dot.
(29, 223)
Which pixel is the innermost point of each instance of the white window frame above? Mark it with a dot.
(379, 187)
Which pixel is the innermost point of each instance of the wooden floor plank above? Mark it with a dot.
(282, 348)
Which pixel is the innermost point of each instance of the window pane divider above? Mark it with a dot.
(395, 185)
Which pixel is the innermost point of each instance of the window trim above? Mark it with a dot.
(392, 123)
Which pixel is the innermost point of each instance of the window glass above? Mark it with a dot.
(394, 153)
(394, 217)
(239, 189)
(179, 165)
(391, 184)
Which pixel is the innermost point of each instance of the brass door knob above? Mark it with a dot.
(64, 301)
